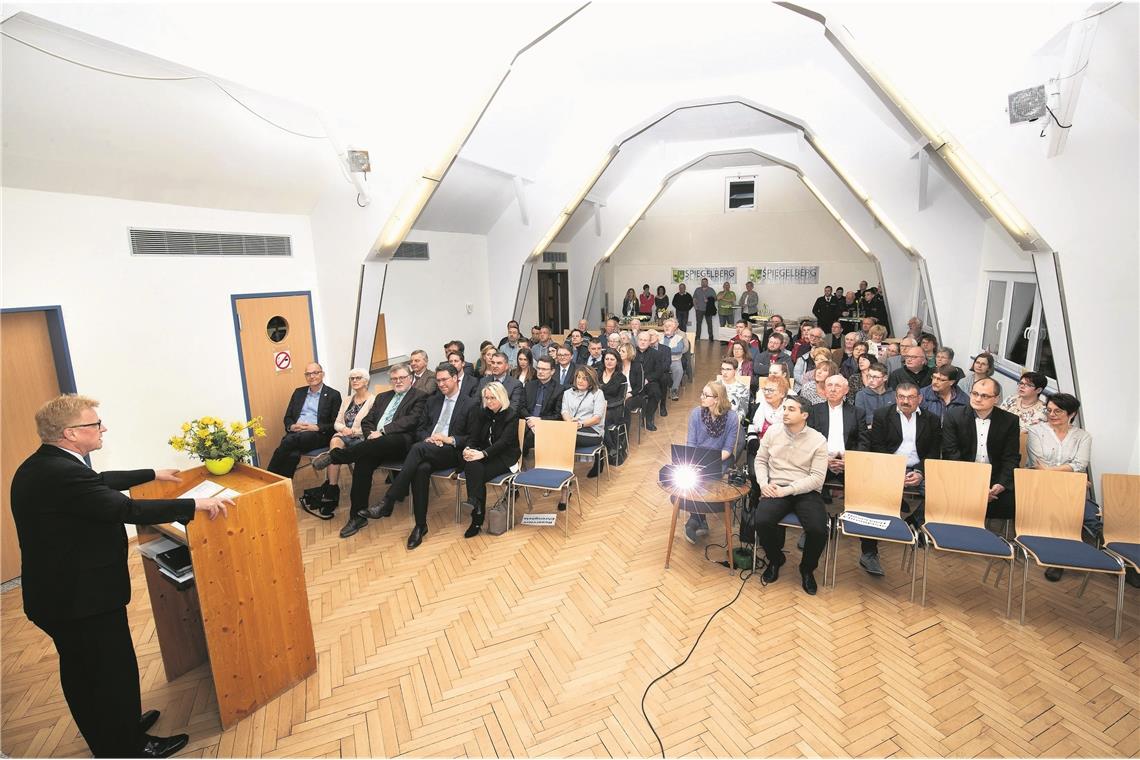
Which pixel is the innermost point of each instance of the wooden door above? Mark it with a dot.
(554, 299)
(271, 327)
(28, 378)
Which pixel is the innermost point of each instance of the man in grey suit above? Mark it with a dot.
(422, 379)
(498, 371)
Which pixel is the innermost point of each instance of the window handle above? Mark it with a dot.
(1025, 334)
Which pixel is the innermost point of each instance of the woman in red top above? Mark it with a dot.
(645, 301)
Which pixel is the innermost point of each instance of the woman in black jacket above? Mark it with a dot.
(630, 306)
(492, 450)
(614, 386)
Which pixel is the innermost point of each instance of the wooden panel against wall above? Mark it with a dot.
(27, 379)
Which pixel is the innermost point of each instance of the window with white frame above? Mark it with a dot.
(740, 193)
(1014, 330)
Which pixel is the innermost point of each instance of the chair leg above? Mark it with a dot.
(914, 568)
(458, 502)
(827, 554)
(1024, 585)
(925, 564)
(1084, 584)
(1119, 604)
(672, 531)
(1009, 591)
(601, 457)
(835, 561)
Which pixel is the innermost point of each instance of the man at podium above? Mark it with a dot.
(76, 587)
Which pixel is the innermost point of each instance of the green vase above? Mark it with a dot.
(220, 466)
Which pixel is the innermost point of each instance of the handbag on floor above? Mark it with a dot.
(496, 520)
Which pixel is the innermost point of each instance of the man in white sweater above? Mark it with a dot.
(790, 468)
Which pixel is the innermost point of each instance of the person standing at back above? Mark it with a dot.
(749, 303)
(682, 305)
(725, 304)
(704, 301)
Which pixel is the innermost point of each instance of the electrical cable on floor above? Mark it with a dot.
(744, 576)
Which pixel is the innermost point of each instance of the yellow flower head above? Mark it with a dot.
(185, 427)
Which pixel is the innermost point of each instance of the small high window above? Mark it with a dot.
(740, 194)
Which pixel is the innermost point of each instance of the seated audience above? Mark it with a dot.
(652, 369)
(498, 371)
(769, 409)
(875, 337)
(735, 386)
(467, 382)
(388, 428)
(423, 380)
(492, 449)
(815, 392)
(676, 344)
(778, 370)
(712, 425)
(543, 398)
(585, 404)
(839, 422)
(634, 378)
(615, 389)
(584, 328)
(614, 340)
(913, 329)
(775, 324)
(790, 467)
(1027, 403)
(894, 359)
(802, 342)
(914, 369)
(563, 366)
(486, 348)
(838, 356)
(507, 338)
(865, 325)
(945, 355)
(981, 368)
(805, 364)
(929, 345)
(850, 364)
(442, 434)
(834, 338)
(942, 393)
(858, 379)
(594, 354)
(611, 327)
(456, 346)
(308, 421)
(774, 355)
(983, 433)
(739, 354)
(544, 345)
(905, 430)
(524, 366)
(353, 409)
(579, 349)
(874, 394)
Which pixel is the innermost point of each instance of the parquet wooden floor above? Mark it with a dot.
(539, 644)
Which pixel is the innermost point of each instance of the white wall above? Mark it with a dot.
(688, 226)
(151, 338)
(425, 303)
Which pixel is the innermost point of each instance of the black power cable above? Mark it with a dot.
(744, 576)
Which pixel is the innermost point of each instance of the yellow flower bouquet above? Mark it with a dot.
(209, 438)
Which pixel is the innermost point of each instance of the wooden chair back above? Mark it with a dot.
(1050, 504)
(957, 492)
(1121, 508)
(522, 440)
(554, 444)
(873, 483)
(1023, 447)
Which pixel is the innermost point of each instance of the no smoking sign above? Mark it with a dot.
(282, 360)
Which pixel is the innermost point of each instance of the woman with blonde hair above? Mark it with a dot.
(492, 450)
(354, 407)
(712, 425)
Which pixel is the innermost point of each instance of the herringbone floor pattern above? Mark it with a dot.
(539, 644)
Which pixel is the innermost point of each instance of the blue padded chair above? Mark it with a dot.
(957, 494)
(499, 481)
(553, 461)
(1050, 515)
(1122, 517)
(874, 489)
(308, 457)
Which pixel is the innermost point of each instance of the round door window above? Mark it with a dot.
(277, 329)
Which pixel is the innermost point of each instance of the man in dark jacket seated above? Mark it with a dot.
(309, 421)
(983, 433)
(387, 429)
(442, 434)
(902, 428)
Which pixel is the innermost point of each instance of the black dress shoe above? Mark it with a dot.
(383, 509)
(808, 581)
(147, 719)
(664, 412)
(163, 746)
(650, 426)
(476, 523)
(353, 526)
(416, 537)
(1053, 574)
(772, 572)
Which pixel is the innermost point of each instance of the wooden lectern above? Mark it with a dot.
(247, 611)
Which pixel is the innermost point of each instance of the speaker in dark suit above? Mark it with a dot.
(309, 421)
(1002, 447)
(69, 520)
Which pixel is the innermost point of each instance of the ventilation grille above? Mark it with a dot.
(411, 252)
(554, 257)
(179, 243)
